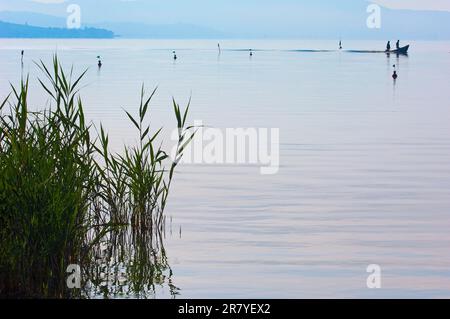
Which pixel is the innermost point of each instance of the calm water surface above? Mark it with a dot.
(365, 163)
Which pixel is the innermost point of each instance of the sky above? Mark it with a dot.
(439, 5)
(246, 17)
(398, 4)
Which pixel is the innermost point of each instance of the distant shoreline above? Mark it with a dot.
(24, 31)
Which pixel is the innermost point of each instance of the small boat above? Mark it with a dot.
(402, 50)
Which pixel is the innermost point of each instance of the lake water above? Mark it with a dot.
(365, 162)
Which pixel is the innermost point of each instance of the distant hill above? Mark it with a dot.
(121, 29)
(12, 30)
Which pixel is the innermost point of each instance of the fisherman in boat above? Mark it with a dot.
(175, 55)
(388, 46)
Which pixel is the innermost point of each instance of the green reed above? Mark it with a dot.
(63, 193)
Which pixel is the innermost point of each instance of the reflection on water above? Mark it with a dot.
(131, 264)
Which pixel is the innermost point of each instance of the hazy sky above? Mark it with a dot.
(245, 17)
(398, 4)
(440, 5)
(214, 11)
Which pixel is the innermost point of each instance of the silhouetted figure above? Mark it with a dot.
(397, 45)
(340, 45)
(251, 52)
(175, 56)
(388, 46)
(218, 46)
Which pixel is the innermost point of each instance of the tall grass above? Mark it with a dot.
(63, 194)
